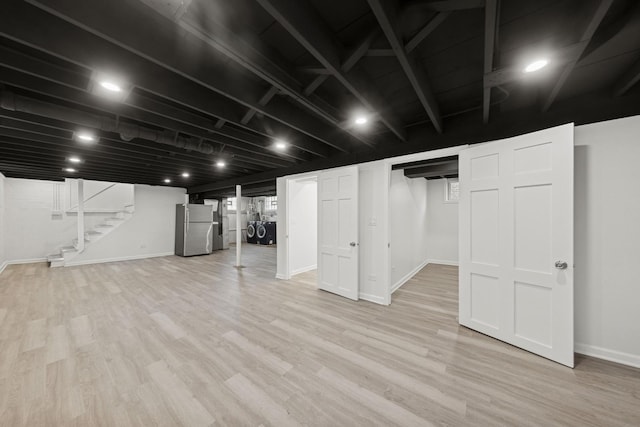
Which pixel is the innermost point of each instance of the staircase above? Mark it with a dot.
(67, 253)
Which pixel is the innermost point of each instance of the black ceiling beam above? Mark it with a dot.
(41, 69)
(123, 153)
(587, 33)
(386, 14)
(264, 100)
(627, 80)
(110, 170)
(115, 156)
(82, 98)
(422, 163)
(307, 27)
(441, 170)
(424, 32)
(490, 41)
(465, 129)
(22, 169)
(349, 62)
(100, 45)
(201, 18)
(64, 130)
(442, 6)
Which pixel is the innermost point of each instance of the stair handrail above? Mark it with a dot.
(95, 195)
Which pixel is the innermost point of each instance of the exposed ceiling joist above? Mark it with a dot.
(380, 52)
(490, 39)
(235, 146)
(386, 14)
(628, 80)
(423, 163)
(271, 92)
(587, 33)
(307, 27)
(442, 6)
(108, 149)
(440, 171)
(133, 19)
(425, 31)
(202, 22)
(349, 62)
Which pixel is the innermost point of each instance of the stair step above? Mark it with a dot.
(104, 226)
(66, 249)
(55, 260)
(92, 233)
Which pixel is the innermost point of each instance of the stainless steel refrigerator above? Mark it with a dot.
(194, 229)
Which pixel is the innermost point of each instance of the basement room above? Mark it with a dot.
(319, 213)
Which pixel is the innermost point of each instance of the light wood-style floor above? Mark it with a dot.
(195, 342)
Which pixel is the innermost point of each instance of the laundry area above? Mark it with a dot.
(258, 219)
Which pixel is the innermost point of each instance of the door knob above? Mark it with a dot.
(352, 244)
(561, 265)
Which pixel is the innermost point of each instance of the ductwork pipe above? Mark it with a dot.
(12, 102)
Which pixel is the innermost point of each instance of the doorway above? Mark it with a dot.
(302, 225)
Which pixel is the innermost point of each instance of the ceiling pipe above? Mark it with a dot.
(127, 131)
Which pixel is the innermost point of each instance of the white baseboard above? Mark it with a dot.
(3, 266)
(282, 276)
(610, 355)
(304, 269)
(372, 298)
(443, 262)
(408, 276)
(116, 259)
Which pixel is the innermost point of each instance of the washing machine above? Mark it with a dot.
(252, 231)
(266, 232)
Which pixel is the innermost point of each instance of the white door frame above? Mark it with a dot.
(425, 155)
(284, 211)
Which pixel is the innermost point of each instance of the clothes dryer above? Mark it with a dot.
(252, 232)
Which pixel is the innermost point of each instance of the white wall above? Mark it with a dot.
(373, 180)
(442, 225)
(607, 240)
(99, 195)
(408, 226)
(150, 231)
(303, 225)
(31, 229)
(3, 259)
(282, 248)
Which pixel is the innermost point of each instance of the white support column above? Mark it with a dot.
(80, 215)
(238, 226)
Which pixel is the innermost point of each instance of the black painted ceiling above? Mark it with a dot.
(210, 80)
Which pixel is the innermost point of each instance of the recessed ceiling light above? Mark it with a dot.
(74, 159)
(281, 145)
(69, 170)
(536, 65)
(220, 164)
(361, 120)
(110, 86)
(86, 137)
(167, 181)
(185, 174)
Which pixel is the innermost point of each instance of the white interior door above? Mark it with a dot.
(338, 231)
(516, 241)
